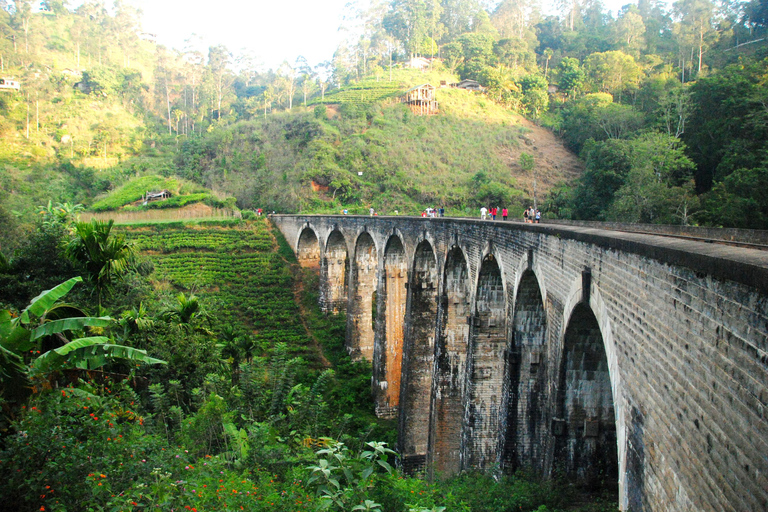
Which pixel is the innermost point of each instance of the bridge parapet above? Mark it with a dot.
(621, 358)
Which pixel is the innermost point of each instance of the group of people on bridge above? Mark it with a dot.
(530, 215)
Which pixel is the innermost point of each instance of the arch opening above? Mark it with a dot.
(337, 269)
(488, 341)
(527, 407)
(418, 359)
(308, 250)
(363, 282)
(451, 366)
(585, 430)
(393, 302)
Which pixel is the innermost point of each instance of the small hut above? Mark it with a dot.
(421, 100)
(469, 85)
(156, 196)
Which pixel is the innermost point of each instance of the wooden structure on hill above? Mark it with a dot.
(156, 196)
(421, 100)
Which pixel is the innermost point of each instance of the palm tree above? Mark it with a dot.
(186, 311)
(102, 255)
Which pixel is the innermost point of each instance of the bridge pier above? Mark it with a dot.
(647, 374)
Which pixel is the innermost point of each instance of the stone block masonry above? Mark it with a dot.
(623, 360)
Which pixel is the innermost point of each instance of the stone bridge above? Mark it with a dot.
(620, 360)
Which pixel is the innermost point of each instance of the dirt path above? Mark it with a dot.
(298, 291)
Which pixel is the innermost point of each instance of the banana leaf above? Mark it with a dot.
(69, 324)
(48, 298)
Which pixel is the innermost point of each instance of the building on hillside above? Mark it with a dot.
(421, 100)
(418, 63)
(156, 196)
(6, 84)
(469, 85)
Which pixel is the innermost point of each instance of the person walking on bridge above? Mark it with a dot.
(483, 212)
(504, 213)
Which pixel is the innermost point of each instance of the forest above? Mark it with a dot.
(185, 365)
(662, 104)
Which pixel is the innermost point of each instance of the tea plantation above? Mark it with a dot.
(237, 269)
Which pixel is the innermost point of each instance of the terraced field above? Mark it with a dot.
(363, 93)
(239, 271)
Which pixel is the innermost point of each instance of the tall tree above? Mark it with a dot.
(629, 31)
(695, 23)
(218, 63)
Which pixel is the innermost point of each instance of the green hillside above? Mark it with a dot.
(237, 269)
(578, 113)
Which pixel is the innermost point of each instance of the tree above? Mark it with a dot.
(547, 56)
(514, 18)
(629, 31)
(22, 16)
(457, 17)
(24, 334)
(612, 71)
(653, 189)
(287, 78)
(218, 62)
(570, 76)
(695, 22)
(412, 21)
(102, 255)
(535, 94)
(728, 124)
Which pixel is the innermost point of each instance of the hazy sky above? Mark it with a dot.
(274, 30)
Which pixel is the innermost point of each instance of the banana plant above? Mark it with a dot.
(21, 339)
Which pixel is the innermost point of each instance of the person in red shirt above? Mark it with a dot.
(504, 214)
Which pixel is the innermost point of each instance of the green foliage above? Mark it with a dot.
(341, 478)
(597, 117)
(37, 263)
(25, 334)
(728, 126)
(182, 193)
(739, 200)
(103, 256)
(645, 179)
(535, 96)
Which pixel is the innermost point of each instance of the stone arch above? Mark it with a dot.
(488, 342)
(392, 305)
(336, 273)
(526, 413)
(586, 417)
(308, 248)
(418, 358)
(360, 334)
(450, 365)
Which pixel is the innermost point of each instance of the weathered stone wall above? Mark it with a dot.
(624, 356)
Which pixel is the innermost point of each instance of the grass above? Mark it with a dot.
(183, 192)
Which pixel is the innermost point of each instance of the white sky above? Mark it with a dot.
(273, 30)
